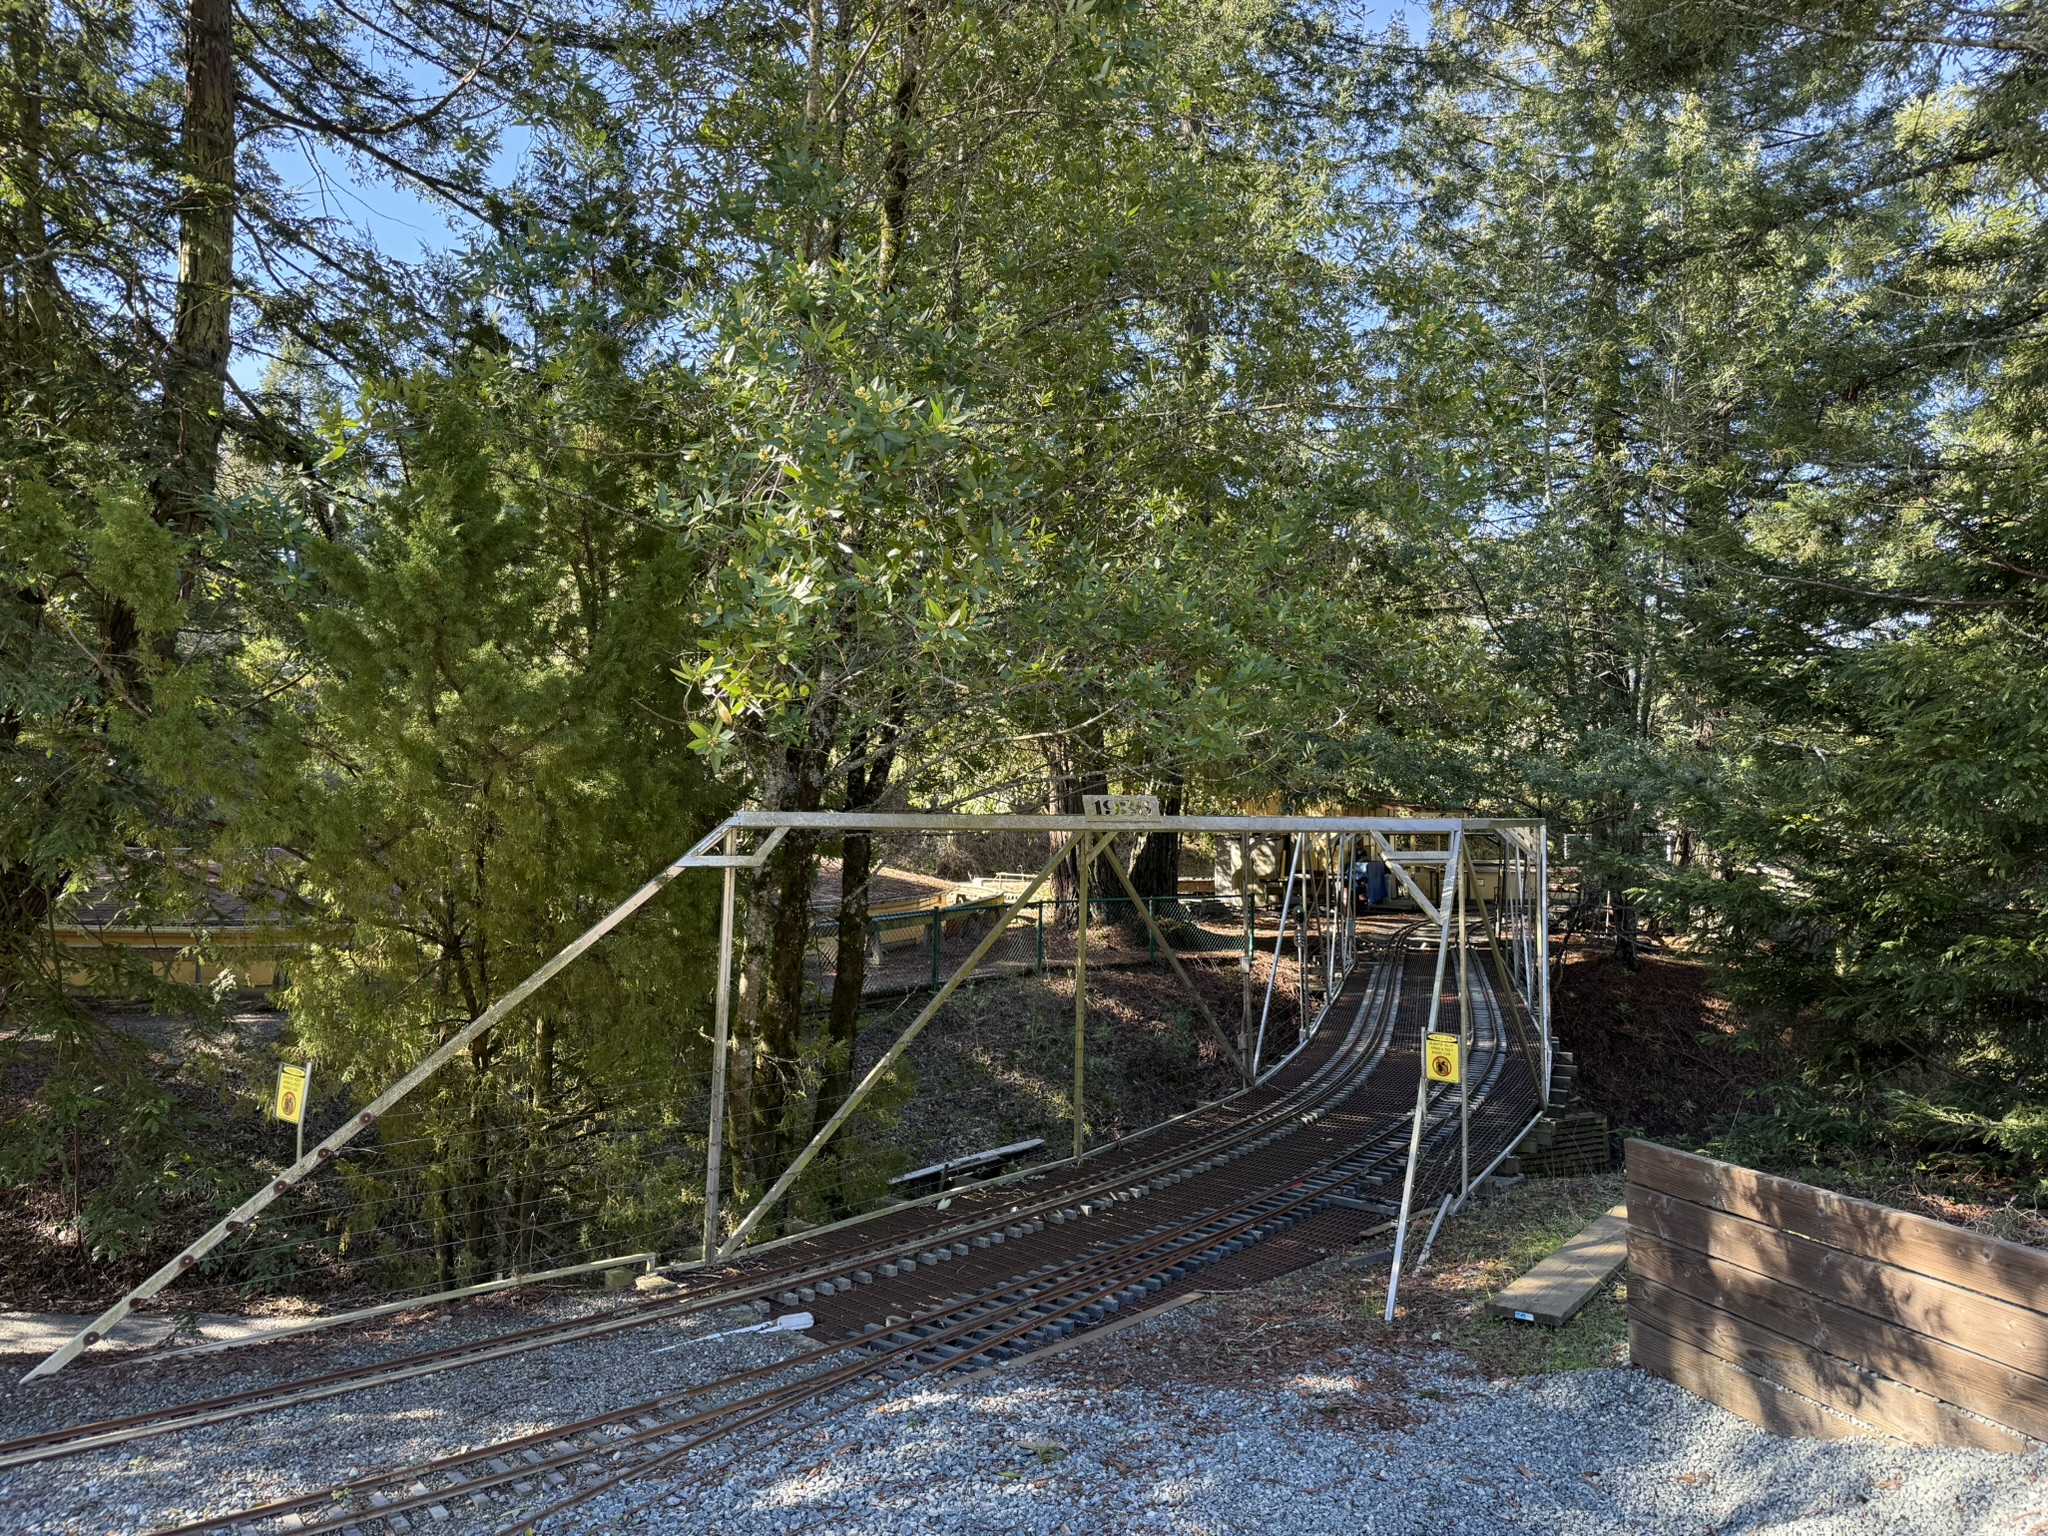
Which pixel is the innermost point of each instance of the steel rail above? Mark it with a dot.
(104, 1433)
(1158, 1251)
(1032, 1284)
(1259, 1217)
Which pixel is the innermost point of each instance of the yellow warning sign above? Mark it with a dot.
(1441, 1054)
(291, 1092)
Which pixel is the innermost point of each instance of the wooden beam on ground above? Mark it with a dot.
(1554, 1291)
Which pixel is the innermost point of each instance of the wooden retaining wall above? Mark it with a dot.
(1810, 1313)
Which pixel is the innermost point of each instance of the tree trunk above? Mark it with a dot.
(896, 159)
(28, 313)
(25, 901)
(864, 786)
(196, 369)
(1156, 869)
(809, 242)
(477, 1200)
(1615, 673)
(533, 1179)
(31, 317)
(789, 881)
(741, 1073)
(1075, 775)
(838, 119)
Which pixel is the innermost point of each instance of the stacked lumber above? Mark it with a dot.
(1561, 1145)
(1810, 1313)
(1575, 1145)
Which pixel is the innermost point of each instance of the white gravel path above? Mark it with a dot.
(1587, 1454)
(1591, 1453)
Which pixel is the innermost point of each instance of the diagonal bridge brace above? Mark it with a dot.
(243, 1215)
(895, 1052)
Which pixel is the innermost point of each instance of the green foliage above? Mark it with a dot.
(853, 528)
(480, 756)
(1629, 414)
(116, 1140)
(1758, 303)
(947, 379)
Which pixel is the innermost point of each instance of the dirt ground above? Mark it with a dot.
(997, 1064)
(209, 1067)
(1662, 1055)
(1659, 1052)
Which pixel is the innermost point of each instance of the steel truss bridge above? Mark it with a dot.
(1342, 1135)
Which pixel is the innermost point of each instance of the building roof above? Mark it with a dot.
(108, 906)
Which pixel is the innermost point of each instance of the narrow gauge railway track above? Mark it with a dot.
(899, 1239)
(569, 1465)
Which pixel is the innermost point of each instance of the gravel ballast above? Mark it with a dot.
(1606, 1451)
(1045, 1449)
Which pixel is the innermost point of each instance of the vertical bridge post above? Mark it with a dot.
(1436, 999)
(721, 1036)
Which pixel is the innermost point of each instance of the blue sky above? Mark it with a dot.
(401, 222)
(407, 226)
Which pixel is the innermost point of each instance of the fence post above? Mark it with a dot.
(1151, 944)
(1465, 875)
(1301, 949)
(936, 937)
(1039, 911)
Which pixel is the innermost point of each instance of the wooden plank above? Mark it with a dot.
(1967, 1319)
(1973, 1260)
(1763, 1403)
(1555, 1290)
(1888, 1406)
(1983, 1386)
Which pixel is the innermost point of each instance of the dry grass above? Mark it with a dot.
(1485, 1247)
(1302, 1333)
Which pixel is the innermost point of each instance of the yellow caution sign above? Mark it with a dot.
(1440, 1053)
(291, 1093)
